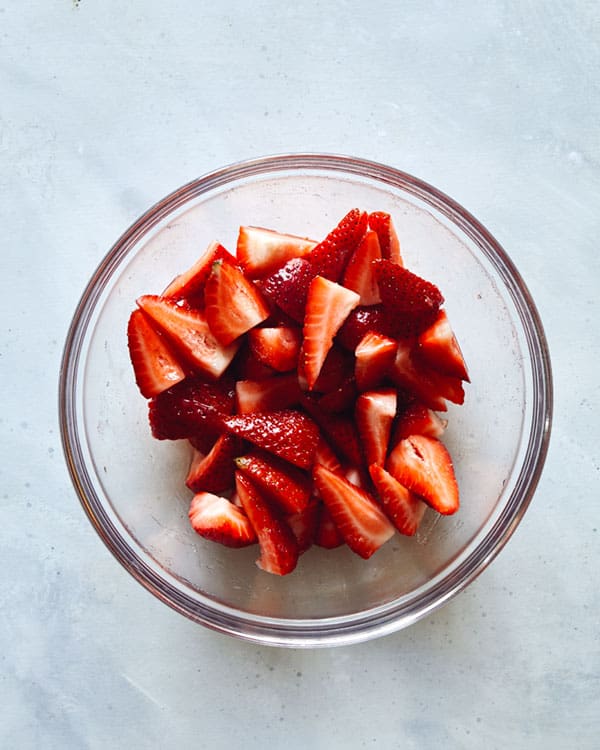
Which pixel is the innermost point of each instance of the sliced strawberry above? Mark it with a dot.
(375, 355)
(270, 394)
(423, 465)
(404, 509)
(191, 408)
(288, 287)
(326, 457)
(189, 333)
(363, 320)
(382, 224)
(361, 522)
(189, 285)
(418, 419)
(360, 275)
(304, 525)
(439, 348)
(327, 307)
(338, 367)
(375, 412)
(233, 304)
(277, 480)
(288, 434)
(341, 398)
(276, 347)
(245, 366)
(330, 256)
(413, 301)
(278, 546)
(339, 430)
(155, 365)
(219, 520)
(214, 472)
(327, 534)
(262, 251)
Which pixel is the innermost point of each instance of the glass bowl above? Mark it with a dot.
(131, 486)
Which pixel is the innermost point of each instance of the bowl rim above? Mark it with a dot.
(369, 624)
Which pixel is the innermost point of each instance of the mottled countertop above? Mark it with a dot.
(105, 108)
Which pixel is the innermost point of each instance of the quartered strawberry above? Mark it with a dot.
(189, 333)
(262, 251)
(219, 520)
(276, 347)
(360, 274)
(189, 408)
(423, 465)
(404, 509)
(285, 485)
(413, 301)
(363, 320)
(339, 430)
(375, 412)
(327, 307)
(375, 355)
(189, 285)
(233, 304)
(288, 434)
(270, 394)
(304, 525)
(439, 348)
(288, 287)
(338, 367)
(278, 546)
(326, 457)
(359, 519)
(214, 472)
(341, 398)
(382, 224)
(418, 419)
(329, 257)
(155, 365)
(327, 534)
(245, 366)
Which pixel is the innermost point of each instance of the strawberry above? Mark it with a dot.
(276, 347)
(363, 320)
(155, 365)
(219, 520)
(338, 367)
(382, 224)
(233, 304)
(439, 348)
(417, 419)
(375, 355)
(270, 394)
(328, 305)
(423, 465)
(278, 546)
(330, 256)
(285, 485)
(360, 275)
(288, 434)
(375, 412)
(262, 251)
(327, 534)
(326, 457)
(341, 398)
(404, 509)
(245, 366)
(215, 471)
(189, 333)
(411, 300)
(357, 516)
(189, 285)
(339, 430)
(288, 287)
(304, 525)
(189, 408)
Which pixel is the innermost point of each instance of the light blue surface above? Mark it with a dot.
(106, 107)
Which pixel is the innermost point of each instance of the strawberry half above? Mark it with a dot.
(233, 304)
(215, 471)
(423, 465)
(359, 519)
(381, 223)
(417, 419)
(440, 350)
(219, 520)
(270, 394)
(288, 434)
(404, 509)
(189, 285)
(288, 287)
(327, 534)
(375, 355)
(330, 256)
(189, 333)
(262, 251)
(155, 366)
(375, 412)
(359, 275)
(283, 484)
(278, 546)
(327, 307)
(278, 348)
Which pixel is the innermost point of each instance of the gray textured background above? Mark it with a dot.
(106, 107)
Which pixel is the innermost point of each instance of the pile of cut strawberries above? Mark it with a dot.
(307, 377)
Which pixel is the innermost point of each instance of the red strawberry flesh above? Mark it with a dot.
(219, 520)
